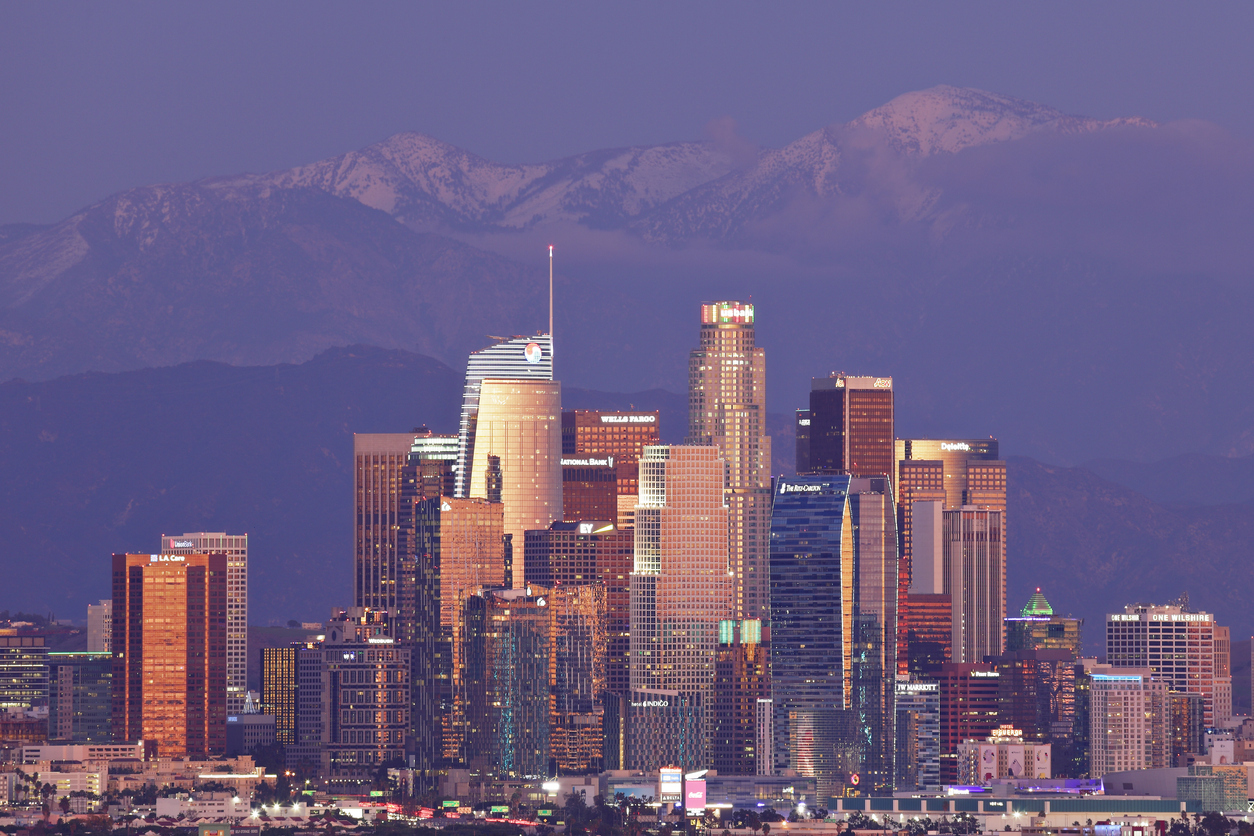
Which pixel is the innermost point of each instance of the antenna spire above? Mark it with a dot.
(550, 299)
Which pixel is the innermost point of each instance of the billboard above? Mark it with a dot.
(694, 796)
(1043, 768)
(1015, 757)
(988, 764)
(670, 783)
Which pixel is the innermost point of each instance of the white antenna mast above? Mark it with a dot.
(550, 302)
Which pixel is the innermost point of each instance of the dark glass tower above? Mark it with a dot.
(851, 425)
(833, 630)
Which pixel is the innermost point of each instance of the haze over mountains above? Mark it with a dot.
(1080, 289)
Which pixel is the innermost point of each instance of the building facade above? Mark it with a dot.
(458, 548)
(378, 459)
(851, 425)
(235, 547)
(918, 734)
(507, 652)
(742, 679)
(517, 358)
(953, 473)
(1038, 628)
(1129, 720)
(519, 421)
(591, 553)
(970, 709)
(622, 436)
(169, 652)
(1003, 755)
(833, 629)
(279, 689)
(1177, 647)
(100, 626)
(727, 409)
(23, 668)
(681, 583)
(975, 581)
(589, 488)
(80, 697)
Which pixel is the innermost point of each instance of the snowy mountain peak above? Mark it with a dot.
(947, 119)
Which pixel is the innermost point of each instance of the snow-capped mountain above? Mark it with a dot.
(424, 182)
(843, 159)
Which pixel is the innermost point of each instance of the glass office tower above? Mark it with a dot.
(833, 630)
(518, 358)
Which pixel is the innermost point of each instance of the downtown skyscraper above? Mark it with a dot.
(680, 589)
(833, 575)
(235, 547)
(169, 684)
(727, 409)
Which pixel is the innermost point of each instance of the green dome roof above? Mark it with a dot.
(1037, 606)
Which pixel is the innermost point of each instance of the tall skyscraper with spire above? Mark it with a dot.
(727, 409)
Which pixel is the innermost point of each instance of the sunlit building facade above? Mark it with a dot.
(517, 358)
(169, 646)
(235, 547)
(622, 436)
(727, 409)
(833, 629)
(457, 549)
(519, 421)
(918, 734)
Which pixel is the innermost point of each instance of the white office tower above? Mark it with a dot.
(100, 626)
(1178, 647)
(518, 358)
(235, 547)
(1129, 720)
(727, 408)
(681, 586)
(518, 451)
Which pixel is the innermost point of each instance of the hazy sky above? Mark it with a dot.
(95, 98)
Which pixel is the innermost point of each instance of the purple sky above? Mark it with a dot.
(96, 98)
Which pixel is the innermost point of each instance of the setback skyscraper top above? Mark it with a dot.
(727, 408)
(851, 425)
(518, 358)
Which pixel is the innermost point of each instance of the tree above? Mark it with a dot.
(766, 829)
(64, 804)
(1215, 824)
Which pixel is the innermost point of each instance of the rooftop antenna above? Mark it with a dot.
(550, 301)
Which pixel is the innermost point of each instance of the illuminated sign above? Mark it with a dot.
(182, 544)
(917, 687)
(608, 461)
(650, 704)
(883, 383)
(957, 445)
(533, 353)
(985, 673)
(694, 796)
(803, 422)
(855, 779)
(1180, 616)
(449, 802)
(1118, 617)
(444, 506)
(784, 487)
(628, 419)
(500, 808)
(669, 784)
(167, 558)
(540, 602)
(380, 640)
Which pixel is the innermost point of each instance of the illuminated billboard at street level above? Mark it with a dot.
(670, 783)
